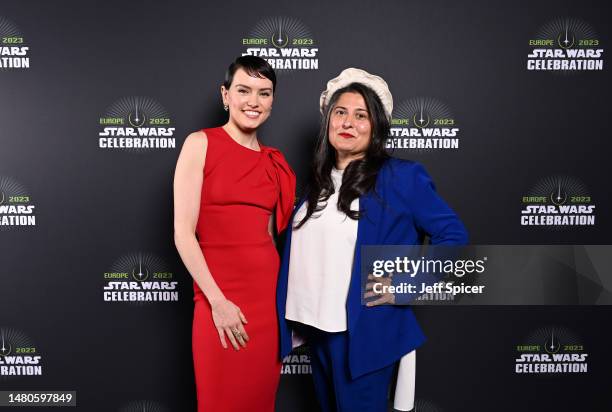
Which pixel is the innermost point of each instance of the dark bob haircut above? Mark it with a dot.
(254, 66)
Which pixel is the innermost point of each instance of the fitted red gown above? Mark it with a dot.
(241, 189)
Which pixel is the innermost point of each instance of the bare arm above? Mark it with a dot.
(188, 179)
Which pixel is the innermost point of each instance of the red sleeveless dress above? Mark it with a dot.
(241, 189)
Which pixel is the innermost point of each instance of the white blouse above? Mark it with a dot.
(321, 263)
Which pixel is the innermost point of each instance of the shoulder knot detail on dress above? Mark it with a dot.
(286, 181)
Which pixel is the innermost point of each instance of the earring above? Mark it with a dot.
(225, 107)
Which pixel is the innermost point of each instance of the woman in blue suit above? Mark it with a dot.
(358, 195)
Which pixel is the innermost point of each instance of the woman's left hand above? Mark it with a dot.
(385, 298)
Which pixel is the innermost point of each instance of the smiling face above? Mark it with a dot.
(249, 100)
(350, 127)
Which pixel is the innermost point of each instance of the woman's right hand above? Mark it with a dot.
(228, 319)
(297, 340)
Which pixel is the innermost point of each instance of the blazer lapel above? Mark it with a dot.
(365, 235)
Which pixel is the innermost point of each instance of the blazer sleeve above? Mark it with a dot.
(430, 213)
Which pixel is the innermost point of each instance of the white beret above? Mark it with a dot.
(353, 75)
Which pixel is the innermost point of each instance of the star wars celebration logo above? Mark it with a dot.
(18, 355)
(423, 124)
(551, 350)
(13, 47)
(565, 45)
(139, 278)
(284, 42)
(297, 362)
(16, 207)
(136, 124)
(143, 406)
(558, 201)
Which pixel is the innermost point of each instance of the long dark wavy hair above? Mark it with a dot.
(360, 175)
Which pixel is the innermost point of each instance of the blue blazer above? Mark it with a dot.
(404, 208)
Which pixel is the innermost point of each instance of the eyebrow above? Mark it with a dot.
(359, 108)
(247, 87)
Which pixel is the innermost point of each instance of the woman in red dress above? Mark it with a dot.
(228, 190)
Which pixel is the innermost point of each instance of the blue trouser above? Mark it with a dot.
(335, 389)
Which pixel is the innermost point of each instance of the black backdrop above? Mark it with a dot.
(95, 205)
